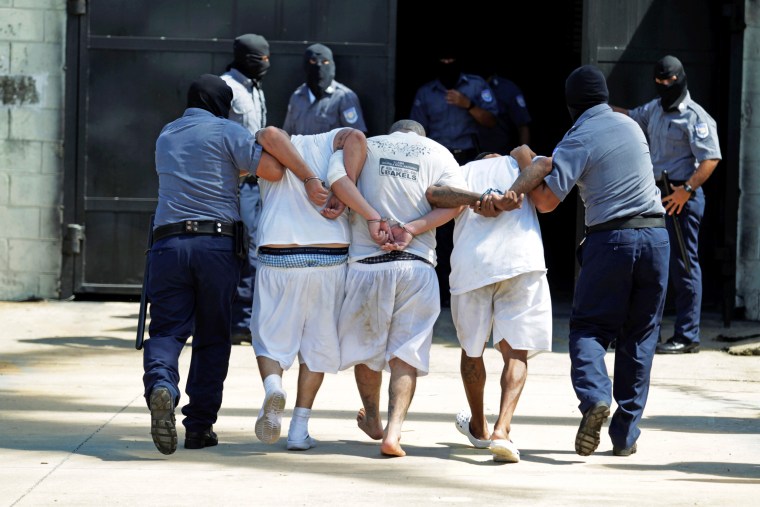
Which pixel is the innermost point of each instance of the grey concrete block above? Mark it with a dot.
(51, 88)
(52, 158)
(751, 43)
(35, 190)
(22, 24)
(36, 58)
(3, 255)
(752, 13)
(34, 256)
(5, 57)
(749, 208)
(50, 286)
(749, 279)
(50, 223)
(16, 286)
(35, 124)
(41, 4)
(55, 26)
(21, 223)
(749, 242)
(20, 156)
(5, 189)
(5, 123)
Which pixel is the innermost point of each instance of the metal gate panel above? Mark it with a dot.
(130, 63)
(625, 38)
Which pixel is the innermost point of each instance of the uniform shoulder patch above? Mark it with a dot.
(350, 115)
(701, 130)
(486, 95)
(520, 101)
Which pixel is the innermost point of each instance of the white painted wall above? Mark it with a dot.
(32, 34)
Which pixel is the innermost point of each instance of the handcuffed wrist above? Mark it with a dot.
(406, 229)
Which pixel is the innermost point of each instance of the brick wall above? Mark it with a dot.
(31, 146)
(748, 265)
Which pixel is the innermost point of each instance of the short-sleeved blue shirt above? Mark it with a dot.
(607, 156)
(452, 126)
(249, 107)
(679, 139)
(513, 113)
(199, 157)
(339, 107)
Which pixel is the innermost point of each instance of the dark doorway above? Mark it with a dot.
(534, 45)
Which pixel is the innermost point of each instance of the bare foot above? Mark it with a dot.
(372, 427)
(392, 447)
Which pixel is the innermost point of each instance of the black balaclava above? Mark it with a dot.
(448, 73)
(585, 88)
(248, 51)
(670, 95)
(319, 76)
(211, 93)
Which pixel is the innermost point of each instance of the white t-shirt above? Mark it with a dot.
(398, 170)
(287, 215)
(489, 250)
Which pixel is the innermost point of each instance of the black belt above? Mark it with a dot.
(637, 222)
(395, 255)
(194, 227)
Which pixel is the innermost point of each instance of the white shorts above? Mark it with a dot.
(295, 312)
(518, 310)
(389, 311)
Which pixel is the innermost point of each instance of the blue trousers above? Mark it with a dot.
(191, 284)
(619, 295)
(250, 207)
(687, 288)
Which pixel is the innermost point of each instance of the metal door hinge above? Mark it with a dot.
(76, 7)
(72, 242)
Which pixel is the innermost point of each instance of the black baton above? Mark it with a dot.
(144, 294)
(677, 226)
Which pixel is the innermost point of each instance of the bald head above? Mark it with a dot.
(407, 126)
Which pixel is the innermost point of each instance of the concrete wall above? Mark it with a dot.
(748, 265)
(32, 35)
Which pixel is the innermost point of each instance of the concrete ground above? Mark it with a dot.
(76, 428)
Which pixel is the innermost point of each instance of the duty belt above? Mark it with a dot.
(637, 222)
(213, 227)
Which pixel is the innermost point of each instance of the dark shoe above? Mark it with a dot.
(162, 427)
(240, 337)
(677, 346)
(587, 438)
(626, 451)
(200, 439)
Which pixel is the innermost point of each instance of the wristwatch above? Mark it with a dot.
(688, 188)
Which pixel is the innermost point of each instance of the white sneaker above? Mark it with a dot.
(504, 451)
(301, 445)
(269, 421)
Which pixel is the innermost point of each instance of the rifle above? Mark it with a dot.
(677, 226)
(144, 293)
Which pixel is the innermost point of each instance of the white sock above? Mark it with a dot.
(299, 424)
(272, 382)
